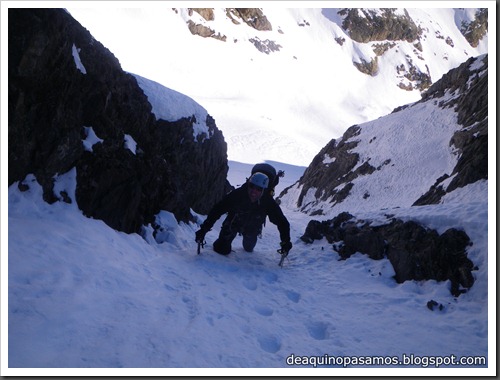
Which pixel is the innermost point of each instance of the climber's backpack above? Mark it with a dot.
(270, 171)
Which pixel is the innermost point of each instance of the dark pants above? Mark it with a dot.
(229, 231)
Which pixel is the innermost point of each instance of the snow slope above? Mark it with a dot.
(410, 149)
(81, 295)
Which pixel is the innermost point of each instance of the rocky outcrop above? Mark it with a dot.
(206, 13)
(266, 46)
(366, 25)
(370, 68)
(416, 78)
(329, 178)
(382, 29)
(204, 31)
(415, 252)
(391, 25)
(332, 171)
(253, 17)
(63, 82)
(476, 29)
(469, 84)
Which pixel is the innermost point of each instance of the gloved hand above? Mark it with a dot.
(286, 246)
(200, 235)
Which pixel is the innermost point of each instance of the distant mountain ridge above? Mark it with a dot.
(381, 28)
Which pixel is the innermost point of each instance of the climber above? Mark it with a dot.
(247, 208)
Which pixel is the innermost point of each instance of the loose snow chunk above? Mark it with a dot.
(171, 105)
(168, 228)
(328, 160)
(78, 62)
(91, 139)
(66, 183)
(130, 143)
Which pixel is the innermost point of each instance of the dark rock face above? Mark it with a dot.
(51, 101)
(471, 105)
(419, 253)
(415, 252)
(253, 17)
(365, 25)
(326, 177)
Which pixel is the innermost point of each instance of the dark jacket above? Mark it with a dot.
(243, 214)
